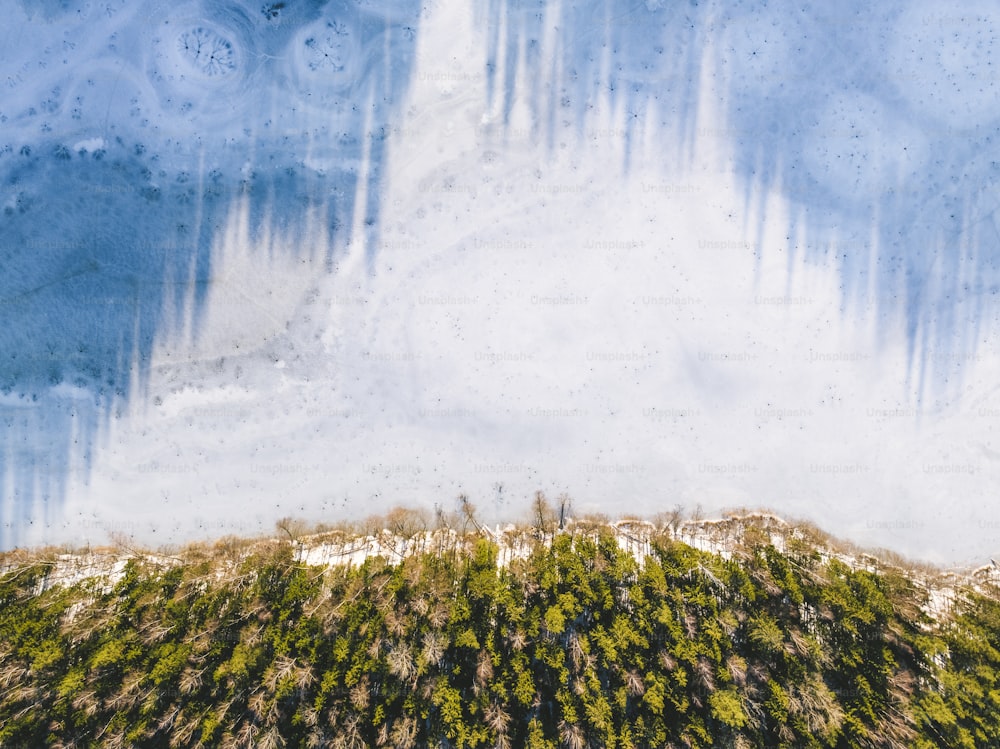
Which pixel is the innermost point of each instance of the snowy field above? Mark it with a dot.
(320, 259)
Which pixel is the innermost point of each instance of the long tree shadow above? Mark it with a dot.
(878, 123)
(639, 58)
(123, 160)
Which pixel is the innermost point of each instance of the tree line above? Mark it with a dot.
(579, 644)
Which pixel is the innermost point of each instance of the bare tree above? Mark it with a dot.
(294, 528)
(543, 517)
(468, 513)
(671, 520)
(405, 522)
(571, 735)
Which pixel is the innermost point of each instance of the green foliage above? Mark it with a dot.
(578, 645)
(727, 708)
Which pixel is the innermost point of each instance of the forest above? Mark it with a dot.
(576, 642)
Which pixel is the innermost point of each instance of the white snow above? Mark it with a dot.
(536, 314)
(91, 144)
(721, 536)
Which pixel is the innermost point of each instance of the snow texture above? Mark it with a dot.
(320, 258)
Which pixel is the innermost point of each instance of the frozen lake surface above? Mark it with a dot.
(319, 259)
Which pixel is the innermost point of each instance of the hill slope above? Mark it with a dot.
(579, 640)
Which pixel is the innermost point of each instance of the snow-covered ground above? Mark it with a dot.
(320, 260)
(102, 568)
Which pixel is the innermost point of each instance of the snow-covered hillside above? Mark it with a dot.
(728, 537)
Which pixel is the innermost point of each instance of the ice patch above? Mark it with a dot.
(860, 150)
(208, 52)
(945, 59)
